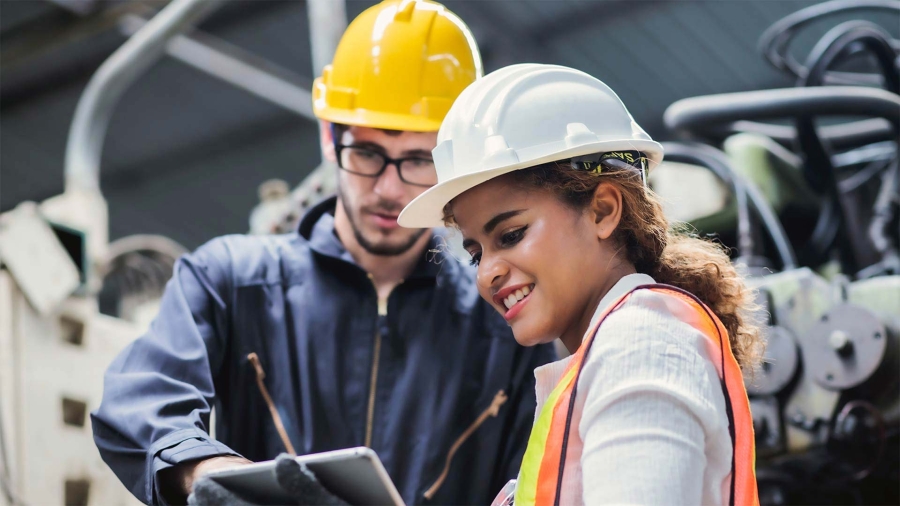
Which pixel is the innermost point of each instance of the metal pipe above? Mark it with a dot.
(112, 79)
(238, 67)
(327, 22)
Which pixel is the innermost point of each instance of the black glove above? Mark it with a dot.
(302, 484)
(298, 481)
(208, 492)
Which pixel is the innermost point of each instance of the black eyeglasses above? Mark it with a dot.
(414, 170)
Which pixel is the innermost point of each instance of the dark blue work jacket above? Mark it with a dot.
(412, 380)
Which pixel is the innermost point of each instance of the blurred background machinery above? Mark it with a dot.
(813, 215)
(783, 115)
(70, 299)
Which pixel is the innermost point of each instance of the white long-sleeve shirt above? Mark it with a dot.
(653, 427)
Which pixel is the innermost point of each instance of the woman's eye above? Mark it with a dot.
(512, 237)
(476, 258)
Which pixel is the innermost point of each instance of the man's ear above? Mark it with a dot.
(327, 141)
(606, 209)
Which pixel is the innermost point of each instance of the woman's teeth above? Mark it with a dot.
(517, 296)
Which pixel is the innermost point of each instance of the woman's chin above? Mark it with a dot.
(526, 338)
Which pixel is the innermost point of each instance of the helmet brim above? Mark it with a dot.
(427, 210)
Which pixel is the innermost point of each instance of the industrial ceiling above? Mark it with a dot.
(185, 152)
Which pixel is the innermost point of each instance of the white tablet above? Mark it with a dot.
(356, 475)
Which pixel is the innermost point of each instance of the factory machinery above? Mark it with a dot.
(814, 217)
(70, 300)
(802, 184)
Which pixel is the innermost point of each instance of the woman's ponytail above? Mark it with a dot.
(704, 269)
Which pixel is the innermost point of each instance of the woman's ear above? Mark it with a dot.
(606, 209)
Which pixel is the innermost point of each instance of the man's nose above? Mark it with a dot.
(389, 186)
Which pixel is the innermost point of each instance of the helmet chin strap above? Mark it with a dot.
(631, 160)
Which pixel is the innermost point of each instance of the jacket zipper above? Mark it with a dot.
(373, 382)
(376, 355)
(492, 411)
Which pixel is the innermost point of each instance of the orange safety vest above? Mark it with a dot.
(540, 478)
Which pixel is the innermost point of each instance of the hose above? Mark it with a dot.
(834, 46)
(774, 42)
(745, 193)
(840, 42)
(884, 151)
(849, 38)
(883, 214)
(843, 136)
(863, 176)
(701, 114)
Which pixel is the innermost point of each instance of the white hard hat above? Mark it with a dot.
(518, 117)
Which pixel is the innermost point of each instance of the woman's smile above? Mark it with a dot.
(513, 298)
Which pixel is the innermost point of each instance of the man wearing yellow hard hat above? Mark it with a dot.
(351, 331)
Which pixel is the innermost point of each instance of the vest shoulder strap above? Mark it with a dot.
(543, 465)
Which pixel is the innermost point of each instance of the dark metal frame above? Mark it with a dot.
(396, 162)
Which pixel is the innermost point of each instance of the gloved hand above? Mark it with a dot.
(302, 484)
(208, 492)
(298, 481)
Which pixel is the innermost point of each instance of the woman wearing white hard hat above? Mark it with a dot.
(543, 171)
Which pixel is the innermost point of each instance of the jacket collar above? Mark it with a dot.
(317, 227)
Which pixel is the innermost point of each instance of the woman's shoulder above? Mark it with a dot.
(666, 304)
(649, 343)
(649, 318)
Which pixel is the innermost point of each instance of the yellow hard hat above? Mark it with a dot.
(399, 66)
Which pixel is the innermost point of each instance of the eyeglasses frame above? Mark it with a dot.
(396, 162)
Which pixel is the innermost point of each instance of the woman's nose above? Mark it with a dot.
(491, 271)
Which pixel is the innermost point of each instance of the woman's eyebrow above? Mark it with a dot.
(500, 218)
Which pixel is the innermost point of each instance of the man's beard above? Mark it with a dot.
(385, 250)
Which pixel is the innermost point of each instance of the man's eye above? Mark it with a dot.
(512, 237)
(476, 259)
(419, 163)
